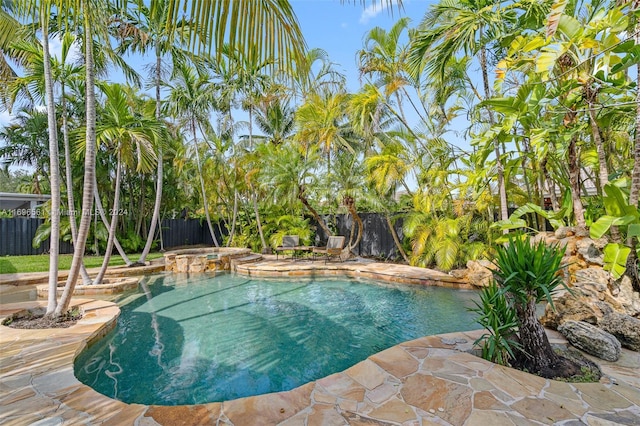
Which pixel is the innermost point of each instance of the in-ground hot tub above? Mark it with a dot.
(202, 259)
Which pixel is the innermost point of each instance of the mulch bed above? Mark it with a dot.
(37, 320)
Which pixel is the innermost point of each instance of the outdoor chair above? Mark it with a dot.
(334, 247)
(289, 243)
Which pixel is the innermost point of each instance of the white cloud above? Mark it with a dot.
(55, 49)
(344, 25)
(377, 7)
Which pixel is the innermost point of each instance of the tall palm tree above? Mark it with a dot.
(41, 14)
(191, 99)
(132, 136)
(30, 86)
(87, 12)
(144, 31)
(252, 83)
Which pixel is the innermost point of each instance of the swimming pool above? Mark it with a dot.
(183, 340)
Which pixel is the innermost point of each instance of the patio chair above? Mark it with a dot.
(289, 243)
(334, 247)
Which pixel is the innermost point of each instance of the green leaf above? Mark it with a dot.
(570, 27)
(546, 60)
(602, 225)
(615, 202)
(633, 230)
(615, 259)
(514, 223)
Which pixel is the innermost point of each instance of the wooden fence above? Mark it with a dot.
(16, 235)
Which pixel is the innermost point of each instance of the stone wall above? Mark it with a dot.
(593, 296)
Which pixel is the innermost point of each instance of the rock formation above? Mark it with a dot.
(592, 295)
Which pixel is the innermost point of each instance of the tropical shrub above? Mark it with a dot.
(626, 218)
(445, 242)
(499, 318)
(291, 225)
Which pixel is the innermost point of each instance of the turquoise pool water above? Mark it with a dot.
(204, 339)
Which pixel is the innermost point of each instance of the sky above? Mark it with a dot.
(340, 28)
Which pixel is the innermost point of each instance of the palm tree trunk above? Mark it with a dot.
(635, 174)
(204, 193)
(603, 172)
(54, 166)
(574, 179)
(114, 221)
(537, 352)
(106, 223)
(550, 184)
(89, 165)
(314, 213)
(502, 187)
(396, 240)
(233, 219)
(253, 196)
(351, 207)
(86, 280)
(160, 171)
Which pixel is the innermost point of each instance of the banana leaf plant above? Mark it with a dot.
(627, 218)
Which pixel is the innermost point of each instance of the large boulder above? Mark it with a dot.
(480, 272)
(624, 327)
(622, 290)
(591, 339)
(575, 306)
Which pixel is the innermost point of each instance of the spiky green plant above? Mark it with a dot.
(499, 319)
(530, 273)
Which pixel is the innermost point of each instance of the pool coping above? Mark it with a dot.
(430, 380)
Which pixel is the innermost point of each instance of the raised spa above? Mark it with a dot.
(183, 340)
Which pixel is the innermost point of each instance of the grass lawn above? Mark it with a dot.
(40, 262)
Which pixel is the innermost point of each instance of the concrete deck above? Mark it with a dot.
(428, 381)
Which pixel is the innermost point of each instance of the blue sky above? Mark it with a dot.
(340, 28)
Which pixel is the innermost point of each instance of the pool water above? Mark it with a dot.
(207, 338)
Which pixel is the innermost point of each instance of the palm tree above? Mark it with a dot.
(289, 174)
(307, 80)
(26, 144)
(455, 26)
(41, 12)
(30, 86)
(320, 121)
(87, 12)
(252, 83)
(132, 136)
(147, 30)
(385, 59)
(191, 98)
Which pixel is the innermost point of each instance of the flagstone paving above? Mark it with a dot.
(428, 381)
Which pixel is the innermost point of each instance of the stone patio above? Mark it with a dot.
(427, 381)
